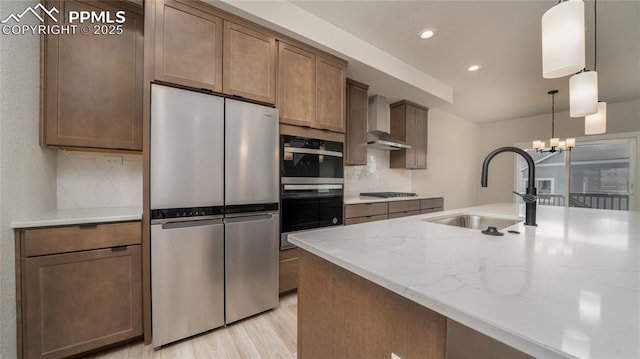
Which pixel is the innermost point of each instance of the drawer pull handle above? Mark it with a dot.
(118, 248)
(88, 225)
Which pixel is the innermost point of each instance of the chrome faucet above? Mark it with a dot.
(529, 197)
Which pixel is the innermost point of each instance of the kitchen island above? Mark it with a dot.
(569, 287)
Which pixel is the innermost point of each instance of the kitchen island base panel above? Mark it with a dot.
(464, 342)
(342, 315)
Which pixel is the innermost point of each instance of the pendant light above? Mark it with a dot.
(555, 144)
(563, 43)
(596, 123)
(583, 86)
(583, 93)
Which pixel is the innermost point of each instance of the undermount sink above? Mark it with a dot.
(474, 221)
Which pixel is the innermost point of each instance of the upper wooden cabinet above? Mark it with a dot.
(92, 84)
(409, 123)
(296, 85)
(330, 95)
(311, 89)
(356, 135)
(188, 46)
(249, 60)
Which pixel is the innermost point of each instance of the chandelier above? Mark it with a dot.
(555, 144)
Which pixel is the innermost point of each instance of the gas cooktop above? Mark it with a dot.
(388, 194)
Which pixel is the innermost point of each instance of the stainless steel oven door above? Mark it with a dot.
(309, 206)
(304, 158)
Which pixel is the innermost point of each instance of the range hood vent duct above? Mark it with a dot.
(378, 136)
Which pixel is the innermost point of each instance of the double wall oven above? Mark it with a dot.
(311, 188)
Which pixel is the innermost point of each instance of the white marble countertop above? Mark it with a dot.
(366, 199)
(567, 288)
(79, 216)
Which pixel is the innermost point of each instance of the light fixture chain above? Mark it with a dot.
(553, 114)
(595, 35)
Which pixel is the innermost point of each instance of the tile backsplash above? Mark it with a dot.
(376, 176)
(89, 179)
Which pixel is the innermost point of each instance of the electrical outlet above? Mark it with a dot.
(395, 356)
(114, 160)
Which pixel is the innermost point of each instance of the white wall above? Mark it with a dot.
(27, 171)
(453, 170)
(622, 117)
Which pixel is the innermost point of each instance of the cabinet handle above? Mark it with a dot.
(118, 248)
(88, 225)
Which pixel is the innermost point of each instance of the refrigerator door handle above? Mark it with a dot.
(261, 217)
(188, 224)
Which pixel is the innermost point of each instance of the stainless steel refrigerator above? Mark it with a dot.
(214, 208)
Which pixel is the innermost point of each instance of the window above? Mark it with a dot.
(595, 174)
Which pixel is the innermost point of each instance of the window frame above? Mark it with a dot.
(632, 138)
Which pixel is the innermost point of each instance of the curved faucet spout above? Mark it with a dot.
(531, 187)
(530, 164)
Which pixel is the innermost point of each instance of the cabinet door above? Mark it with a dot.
(288, 270)
(411, 139)
(356, 135)
(421, 138)
(296, 85)
(249, 63)
(188, 46)
(80, 301)
(92, 87)
(330, 95)
(409, 123)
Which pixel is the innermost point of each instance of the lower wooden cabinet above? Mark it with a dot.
(377, 211)
(288, 267)
(365, 212)
(76, 301)
(431, 205)
(399, 209)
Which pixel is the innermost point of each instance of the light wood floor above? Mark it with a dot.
(268, 335)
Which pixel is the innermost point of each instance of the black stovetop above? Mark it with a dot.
(388, 194)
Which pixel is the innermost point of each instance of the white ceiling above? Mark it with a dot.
(380, 41)
(502, 36)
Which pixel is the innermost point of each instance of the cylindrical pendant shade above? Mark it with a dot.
(563, 43)
(583, 94)
(597, 123)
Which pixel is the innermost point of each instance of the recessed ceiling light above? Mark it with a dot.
(474, 68)
(427, 34)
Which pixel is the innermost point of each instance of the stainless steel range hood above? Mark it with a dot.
(378, 136)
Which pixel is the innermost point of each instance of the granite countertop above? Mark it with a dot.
(79, 216)
(569, 287)
(366, 199)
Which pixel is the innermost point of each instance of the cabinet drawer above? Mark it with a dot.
(55, 240)
(288, 275)
(403, 206)
(431, 203)
(365, 209)
(431, 210)
(403, 214)
(366, 219)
